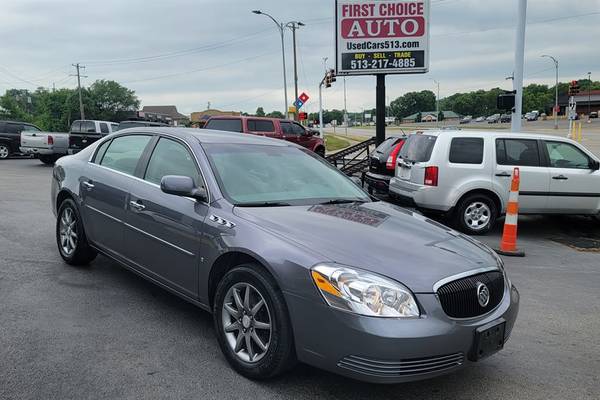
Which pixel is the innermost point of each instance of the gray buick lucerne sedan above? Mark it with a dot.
(295, 261)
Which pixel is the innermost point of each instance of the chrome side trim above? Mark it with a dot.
(103, 213)
(159, 239)
(449, 279)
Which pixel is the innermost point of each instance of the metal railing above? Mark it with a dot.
(353, 159)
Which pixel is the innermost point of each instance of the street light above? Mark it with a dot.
(280, 26)
(293, 25)
(555, 90)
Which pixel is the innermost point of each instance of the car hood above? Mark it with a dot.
(378, 237)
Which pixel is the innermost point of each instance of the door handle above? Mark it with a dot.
(88, 185)
(560, 177)
(137, 206)
(504, 174)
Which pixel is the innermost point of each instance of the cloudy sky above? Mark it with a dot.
(191, 52)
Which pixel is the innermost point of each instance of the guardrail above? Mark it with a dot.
(353, 159)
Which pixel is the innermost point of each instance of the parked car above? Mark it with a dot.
(85, 132)
(468, 176)
(594, 114)
(10, 136)
(532, 115)
(137, 124)
(466, 119)
(505, 118)
(46, 146)
(382, 164)
(271, 239)
(270, 127)
(493, 119)
(480, 119)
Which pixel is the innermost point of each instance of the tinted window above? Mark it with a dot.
(418, 148)
(286, 128)
(520, 152)
(565, 155)
(256, 125)
(76, 127)
(83, 127)
(297, 129)
(13, 128)
(103, 127)
(100, 152)
(387, 145)
(466, 150)
(170, 158)
(30, 128)
(231, 125)
(124, 152)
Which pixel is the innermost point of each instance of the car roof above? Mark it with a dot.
(211, 136)
(249, 117)
(492, 133)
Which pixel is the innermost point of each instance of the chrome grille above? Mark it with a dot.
(408, 367)
(459, 297)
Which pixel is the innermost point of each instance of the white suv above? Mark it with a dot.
(467, 175)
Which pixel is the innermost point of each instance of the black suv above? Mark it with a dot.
(10, 136)
(382, 164)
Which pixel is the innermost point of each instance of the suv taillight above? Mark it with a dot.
(431, 176)
(391, 161)
(50, 140)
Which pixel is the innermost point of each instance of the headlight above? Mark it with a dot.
(364, 293)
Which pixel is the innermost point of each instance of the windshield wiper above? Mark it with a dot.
(263, 204)
(343, 201)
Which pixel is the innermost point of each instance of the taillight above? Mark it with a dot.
(50, 140)
(391, 161)
(431, 176)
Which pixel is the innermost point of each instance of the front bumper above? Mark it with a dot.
(389, 350)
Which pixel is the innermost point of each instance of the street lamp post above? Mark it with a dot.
(555, 90)
(293, 25)
(589, 96)
(437, 103)
(280, 26)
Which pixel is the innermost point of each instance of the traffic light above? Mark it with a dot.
(573, 88)
(329, 78)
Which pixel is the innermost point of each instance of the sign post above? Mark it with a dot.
(380, 37)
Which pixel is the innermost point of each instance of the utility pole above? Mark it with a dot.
(589, 96)
(519, 61)
(280, 26)
(437, 104)
(78, 67)
(555, 91)
(293, 26)
(345, 110)
(380, 109)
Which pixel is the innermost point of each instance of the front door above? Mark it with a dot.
(574, 185)
(526, 155)
(163, 232)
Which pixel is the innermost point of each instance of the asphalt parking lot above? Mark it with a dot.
(103, 332)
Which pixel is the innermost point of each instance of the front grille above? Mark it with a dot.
(408, 367)
(459, 298)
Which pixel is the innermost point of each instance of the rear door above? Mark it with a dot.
(225, 124)
(163, 231)
(574, 185)
(105, 187)
(526, 154)
(261, 127)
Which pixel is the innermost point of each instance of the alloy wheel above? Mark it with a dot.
(246, 322)
(68, 231)
(3, 151)
(477, 215)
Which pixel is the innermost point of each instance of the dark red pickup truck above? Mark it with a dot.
(270, 127)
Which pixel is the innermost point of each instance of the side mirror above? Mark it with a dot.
(594, 165)
(182, 186)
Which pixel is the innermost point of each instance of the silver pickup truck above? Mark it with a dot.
(47, 146)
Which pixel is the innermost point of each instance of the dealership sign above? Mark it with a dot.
(382, 37)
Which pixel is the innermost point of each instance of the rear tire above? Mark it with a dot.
(4, 151)
(320, 151)
(48, 160)
(70, 236)
(237, 320)
(475, 214)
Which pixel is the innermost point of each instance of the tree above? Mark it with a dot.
(260, 112)
(109, 101)
(275, 114)
(412, 102)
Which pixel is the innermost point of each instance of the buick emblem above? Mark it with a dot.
(483, 294)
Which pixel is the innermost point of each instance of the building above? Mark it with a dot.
(171, 111)
(199, 118)
(582, 99)
(431, 116)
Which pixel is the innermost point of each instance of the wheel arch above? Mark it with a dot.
(490, 193)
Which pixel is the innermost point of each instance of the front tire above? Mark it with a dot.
(70, 236)
(476, 214)
(252, 323)
(4, 151)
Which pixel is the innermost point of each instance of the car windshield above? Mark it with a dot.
(264, 175)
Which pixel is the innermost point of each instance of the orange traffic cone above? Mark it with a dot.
(508, 244)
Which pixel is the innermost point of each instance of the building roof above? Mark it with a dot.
(447, 114)
(171, 111)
